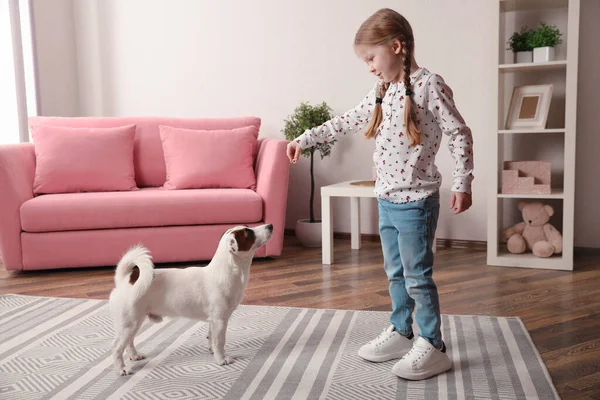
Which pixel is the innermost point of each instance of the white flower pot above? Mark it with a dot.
(523, 57)
(309, 233)
(543, 54)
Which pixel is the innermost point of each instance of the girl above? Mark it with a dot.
(406, 113)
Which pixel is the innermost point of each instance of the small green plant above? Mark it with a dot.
(546, 36)
(521, 41)
(304, 117)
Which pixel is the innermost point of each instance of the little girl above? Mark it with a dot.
(406, 113)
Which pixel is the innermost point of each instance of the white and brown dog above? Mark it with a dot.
(208, 293)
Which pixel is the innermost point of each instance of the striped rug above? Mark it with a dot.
(53, 348)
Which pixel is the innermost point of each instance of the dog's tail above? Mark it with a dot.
(135, 268)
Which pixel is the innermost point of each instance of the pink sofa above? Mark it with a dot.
(94, 229)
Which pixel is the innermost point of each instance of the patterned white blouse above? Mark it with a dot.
(404, 172)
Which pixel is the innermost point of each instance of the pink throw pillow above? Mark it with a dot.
(198, 159)
(83, 159)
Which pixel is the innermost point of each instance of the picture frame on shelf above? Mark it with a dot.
(529, 106)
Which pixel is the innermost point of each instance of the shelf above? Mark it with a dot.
(525, 5)
(526, 131)
(557, 193)
(511, 16)
(539, 66)
(528, 260)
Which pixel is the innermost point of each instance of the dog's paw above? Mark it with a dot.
(155, 318)
(137, 357)
(124, 371)
(226, 361)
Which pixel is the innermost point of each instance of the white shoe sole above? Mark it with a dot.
(377, 358)
(435, 369)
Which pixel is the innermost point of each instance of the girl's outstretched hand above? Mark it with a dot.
(460, 202)
(293, 151)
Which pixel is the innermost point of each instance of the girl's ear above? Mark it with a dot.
(396, 46)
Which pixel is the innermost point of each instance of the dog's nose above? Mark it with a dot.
(270, 227)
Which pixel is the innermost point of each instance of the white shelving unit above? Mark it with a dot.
(556, 140)
(543, 66)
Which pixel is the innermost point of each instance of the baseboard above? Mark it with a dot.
(586, 252)
(367, 237)
(449, 243)
(462, 244)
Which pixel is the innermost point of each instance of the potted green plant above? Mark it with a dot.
(544, 40)
(520, 44)
(304, 117)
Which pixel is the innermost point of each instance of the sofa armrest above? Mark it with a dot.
(272, 178)
(17, 169)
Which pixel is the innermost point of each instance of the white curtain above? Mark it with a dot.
(18, 98)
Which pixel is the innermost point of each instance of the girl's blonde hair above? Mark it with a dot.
(381, 28)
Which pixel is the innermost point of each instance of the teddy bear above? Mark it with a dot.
(534, 233)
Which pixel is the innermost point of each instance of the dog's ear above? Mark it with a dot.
(232, 243)
(241, 240)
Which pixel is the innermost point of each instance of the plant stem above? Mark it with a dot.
(312, 186)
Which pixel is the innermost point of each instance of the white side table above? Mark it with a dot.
(343, 189)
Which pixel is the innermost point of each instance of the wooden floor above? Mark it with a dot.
(561, 310)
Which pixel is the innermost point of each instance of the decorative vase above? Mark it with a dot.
(523, 57)
(309, 233)
(543, 54)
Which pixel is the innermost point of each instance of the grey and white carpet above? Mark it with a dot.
(56, 348)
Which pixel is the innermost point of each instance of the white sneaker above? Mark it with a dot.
(422, 361)
(387, 346)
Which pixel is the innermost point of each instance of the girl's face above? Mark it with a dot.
(384, 60)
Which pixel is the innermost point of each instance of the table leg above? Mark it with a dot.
(355, 222)
(326, 230)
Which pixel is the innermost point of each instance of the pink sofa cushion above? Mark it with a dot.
(148, 207)
(83, 159)
(197, 159)
(148, 154)
(106, 246)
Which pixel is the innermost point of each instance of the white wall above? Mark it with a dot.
(587, 190)
(202, 58)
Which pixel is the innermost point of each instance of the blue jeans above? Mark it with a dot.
(407, 232)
